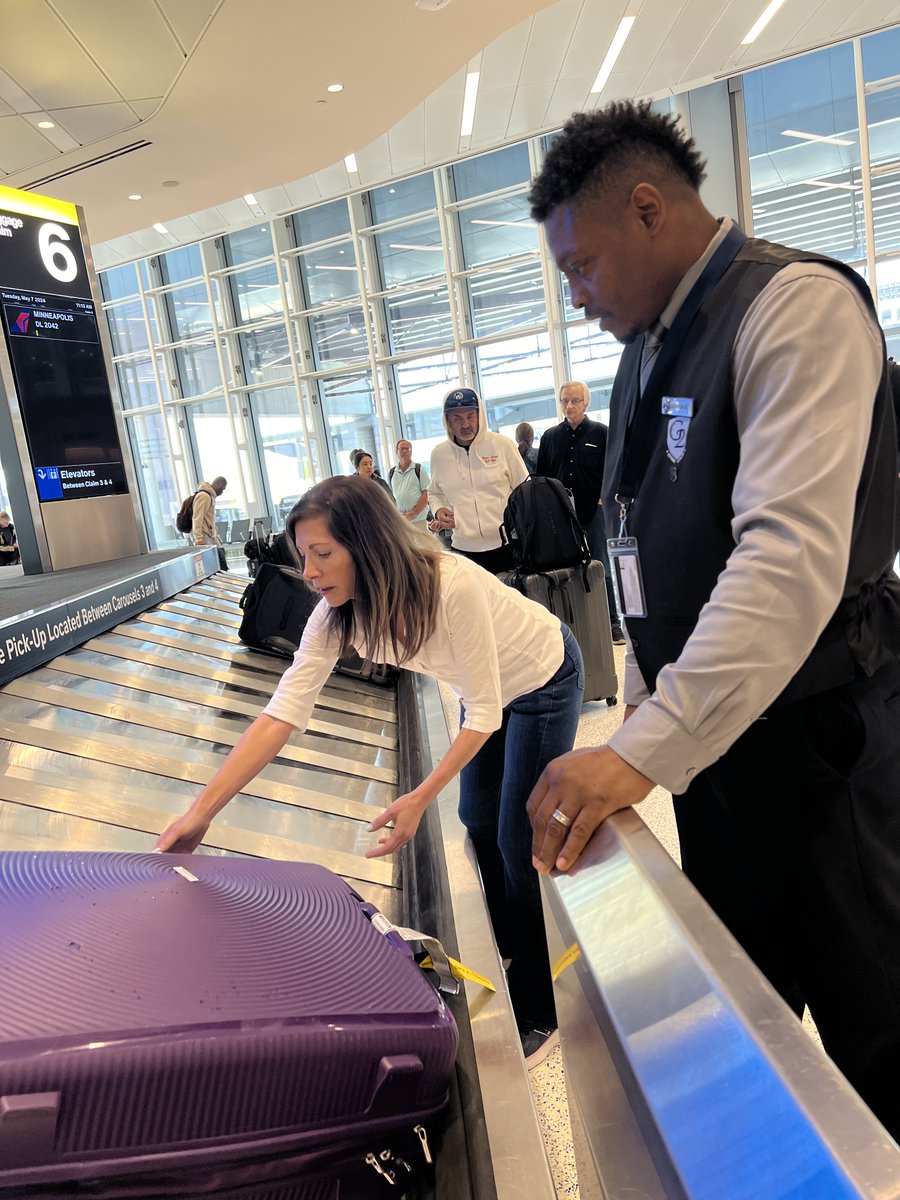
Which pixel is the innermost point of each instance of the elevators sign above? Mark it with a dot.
(50, 326)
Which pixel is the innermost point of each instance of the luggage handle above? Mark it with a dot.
(440, 960)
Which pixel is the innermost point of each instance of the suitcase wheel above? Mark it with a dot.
(612, 701)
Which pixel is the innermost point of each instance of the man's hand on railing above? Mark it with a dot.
(573, 795)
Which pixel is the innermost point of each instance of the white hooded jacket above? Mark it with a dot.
(475, 481)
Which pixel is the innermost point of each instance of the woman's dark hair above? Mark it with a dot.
(355, 456)
(601, 149)
(397, 566)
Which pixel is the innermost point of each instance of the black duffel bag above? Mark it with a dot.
(276, 606)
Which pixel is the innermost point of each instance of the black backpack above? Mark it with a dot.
(540, 525)
(184, 522)
(894, 378)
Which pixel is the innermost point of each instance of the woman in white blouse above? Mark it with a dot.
(390, 591)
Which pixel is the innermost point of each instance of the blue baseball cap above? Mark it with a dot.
(460, 398)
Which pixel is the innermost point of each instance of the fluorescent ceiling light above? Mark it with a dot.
(817, 137)
(159, 227)
(350, 164)
(468, 113)
(135, 196)
(844, 187)
(324, 267)
(763, 21)
(413, 246)
(335, 87)
(615, 49)
(252, 200)
(484, 221)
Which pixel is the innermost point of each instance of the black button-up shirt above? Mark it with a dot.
(576, 457)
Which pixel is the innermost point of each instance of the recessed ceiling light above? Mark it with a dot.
(469, 99)
(135, 196)
(251, 200)
(335, 87)
(612, 54)
(46, 125)
(350, 164)
(768, 13)
(170, 183)
(159, 227)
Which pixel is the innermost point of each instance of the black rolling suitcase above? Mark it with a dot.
(577, 595)
(276, 606)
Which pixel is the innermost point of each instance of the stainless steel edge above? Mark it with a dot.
(728, 1093)
(518, 1154)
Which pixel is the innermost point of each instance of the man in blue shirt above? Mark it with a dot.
(409, 483)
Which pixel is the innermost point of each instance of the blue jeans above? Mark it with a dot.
(494, 790)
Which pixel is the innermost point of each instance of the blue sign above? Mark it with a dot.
(49, 484)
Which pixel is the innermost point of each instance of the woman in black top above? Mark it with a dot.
(366, 468)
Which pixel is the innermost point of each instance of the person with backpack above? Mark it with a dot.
(409, 488)
(472, 475)
(203, 517)
(387, 588)
(525, 444)
(574, 451)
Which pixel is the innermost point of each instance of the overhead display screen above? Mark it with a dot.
(50, 326)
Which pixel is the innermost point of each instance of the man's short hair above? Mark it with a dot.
(582, 387)
(400, 441)
(622, 144)
(219, 482)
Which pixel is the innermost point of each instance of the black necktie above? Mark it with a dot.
(653, 339)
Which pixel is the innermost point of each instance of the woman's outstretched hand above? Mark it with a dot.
(184, 835)
(406, 813)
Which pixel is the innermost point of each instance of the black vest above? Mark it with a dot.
(683, 526)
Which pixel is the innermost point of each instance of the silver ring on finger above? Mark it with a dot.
(559, 815)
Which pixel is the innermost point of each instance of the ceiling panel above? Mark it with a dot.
(677, 42)
(146, 108)
(493, 115)
(443, 114)
(529, 107)
(828, 15)
(236, 213)
(5, 109)
(303, 193)
(273, 200)
(141, 57)
(210, 220)
(407, 141)
(21, 147)
(90, 123)
(188, 17)
(569, 96)
(781, 30)
(61, 73)
(501, 63)
(551, 33)
(335, 180)
(374, 161)
(591, 38)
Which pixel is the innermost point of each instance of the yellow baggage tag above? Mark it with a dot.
(460, 971)
(565, 960)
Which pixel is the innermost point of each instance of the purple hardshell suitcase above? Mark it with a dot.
(168, 1014)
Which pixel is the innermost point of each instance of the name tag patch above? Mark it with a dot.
(679, 410)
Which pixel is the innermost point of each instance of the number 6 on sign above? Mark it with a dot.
(52, 251)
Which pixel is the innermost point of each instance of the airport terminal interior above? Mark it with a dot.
(300, 230)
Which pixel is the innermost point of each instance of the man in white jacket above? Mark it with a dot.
(472, 474)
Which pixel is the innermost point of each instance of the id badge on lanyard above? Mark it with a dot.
(626, 564)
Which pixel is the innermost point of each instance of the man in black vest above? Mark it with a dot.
(752, 448)
(574, 452)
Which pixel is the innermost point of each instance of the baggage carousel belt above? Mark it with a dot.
(103, 746)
